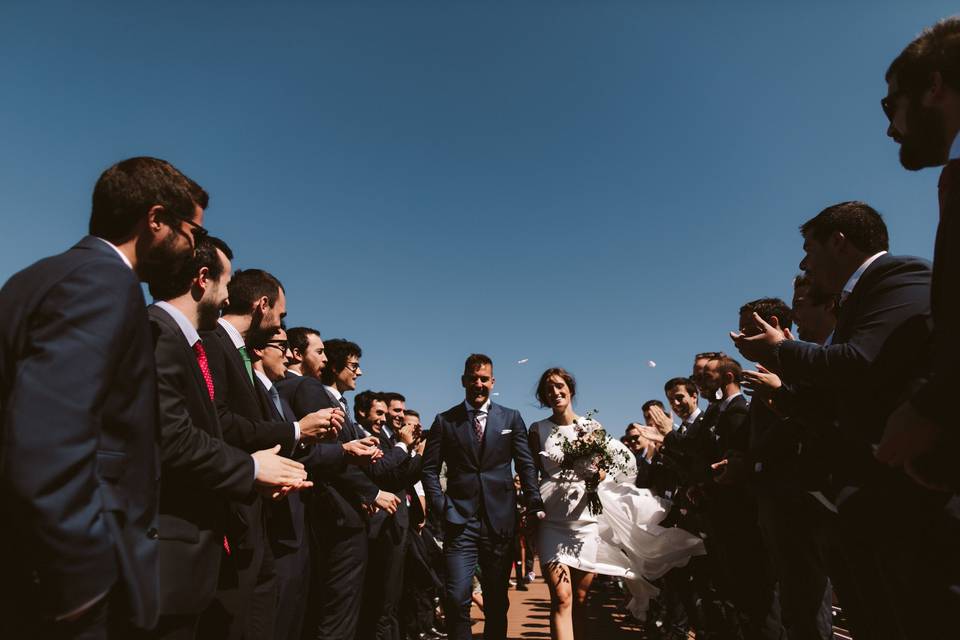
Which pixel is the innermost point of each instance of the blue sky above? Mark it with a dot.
(584, 184)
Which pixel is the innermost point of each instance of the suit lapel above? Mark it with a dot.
(491, 433)
(463, 430)
(236, 361)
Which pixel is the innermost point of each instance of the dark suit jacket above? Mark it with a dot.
(394, 472)
(338, 492)
(288, 515)
(880, 352)
(242, 412)
(200, 474)
(79, 461)
(479, 475)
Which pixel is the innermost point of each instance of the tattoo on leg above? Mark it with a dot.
(556, 567)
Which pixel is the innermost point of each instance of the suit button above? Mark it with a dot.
(152, 533)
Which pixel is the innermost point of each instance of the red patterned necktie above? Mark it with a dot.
(201, 354)
(204, 365)
(478, 427)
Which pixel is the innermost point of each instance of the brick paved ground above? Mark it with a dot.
(528, 617)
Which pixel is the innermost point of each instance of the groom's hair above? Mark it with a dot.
(475, 361)
(686, 383)
(542, 385)
(769, 308)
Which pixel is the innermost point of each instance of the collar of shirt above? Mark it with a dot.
(267, 383)
(296, 373)
(387, 430)
(483, 410)
(126, 261)
(726, 401)
(334, 392)
(188, 330)
(231, 330)
(855, 278)
(955, 149)
(693, 416)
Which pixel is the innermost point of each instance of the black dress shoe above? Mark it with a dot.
(437, 635)
(522, 587)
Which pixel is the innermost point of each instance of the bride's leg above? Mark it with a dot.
(558, 580)
(581, 587)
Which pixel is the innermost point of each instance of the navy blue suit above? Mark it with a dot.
(79, 460)
(880, 352)
(478, 508)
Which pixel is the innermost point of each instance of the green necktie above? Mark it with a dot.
(246, 362)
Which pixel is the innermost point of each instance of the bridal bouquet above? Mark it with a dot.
(590, 452)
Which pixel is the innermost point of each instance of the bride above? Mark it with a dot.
(576, 540)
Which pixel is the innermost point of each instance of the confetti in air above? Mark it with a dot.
(524, 361)
(651, 364)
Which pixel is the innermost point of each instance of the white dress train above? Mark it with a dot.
(625, 540)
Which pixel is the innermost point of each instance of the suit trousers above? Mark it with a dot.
(902, 545)
(108, 619)
(795, 529)
(383, 585)
(467, 547)
(339, 562)
(246, 601)
(293, 589)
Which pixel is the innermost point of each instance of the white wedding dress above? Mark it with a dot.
(625, 540)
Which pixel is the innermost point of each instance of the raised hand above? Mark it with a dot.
(362, 452)
(660, 420)
(761, 383)
(276, 471)
(761, 346)
(651, 433)
(324, 424)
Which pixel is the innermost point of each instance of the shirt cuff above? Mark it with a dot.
(256, 468)
(403, 445)
(296, 436)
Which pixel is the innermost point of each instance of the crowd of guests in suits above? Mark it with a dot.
(195, 469)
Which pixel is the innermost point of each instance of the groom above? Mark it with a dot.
(477, 440)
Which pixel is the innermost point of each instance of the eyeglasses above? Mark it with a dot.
(279, 344)
(632, 438)
(353, 366)
(889, 104)
(199, 233)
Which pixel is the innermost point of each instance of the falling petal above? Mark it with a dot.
(524, 361)
(651, 364)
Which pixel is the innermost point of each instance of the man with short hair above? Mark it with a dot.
(78, 398)
(875, 358)
(478, 440)
(201, 473)
(307, 355)
(388, 534)
(257, 304)
(923, 107)
(340, 507)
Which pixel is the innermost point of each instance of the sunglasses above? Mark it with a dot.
(278, 344)
(889, 104)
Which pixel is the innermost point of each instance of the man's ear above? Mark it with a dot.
(935, 93)
(203, 277)
(154, 222)
(774, 322)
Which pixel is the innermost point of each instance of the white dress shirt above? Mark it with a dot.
(855, 278)
(123, 257)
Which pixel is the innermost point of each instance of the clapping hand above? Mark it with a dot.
(362, 452)
(651, 433)
(661, 421)
(761, 383)
(761, 346)
(277, 476)
(324, 424)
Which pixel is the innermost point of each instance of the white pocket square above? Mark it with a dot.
(506, 431)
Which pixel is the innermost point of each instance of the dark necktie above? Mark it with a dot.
(275, 396)
(201, 354)
(477, 427)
